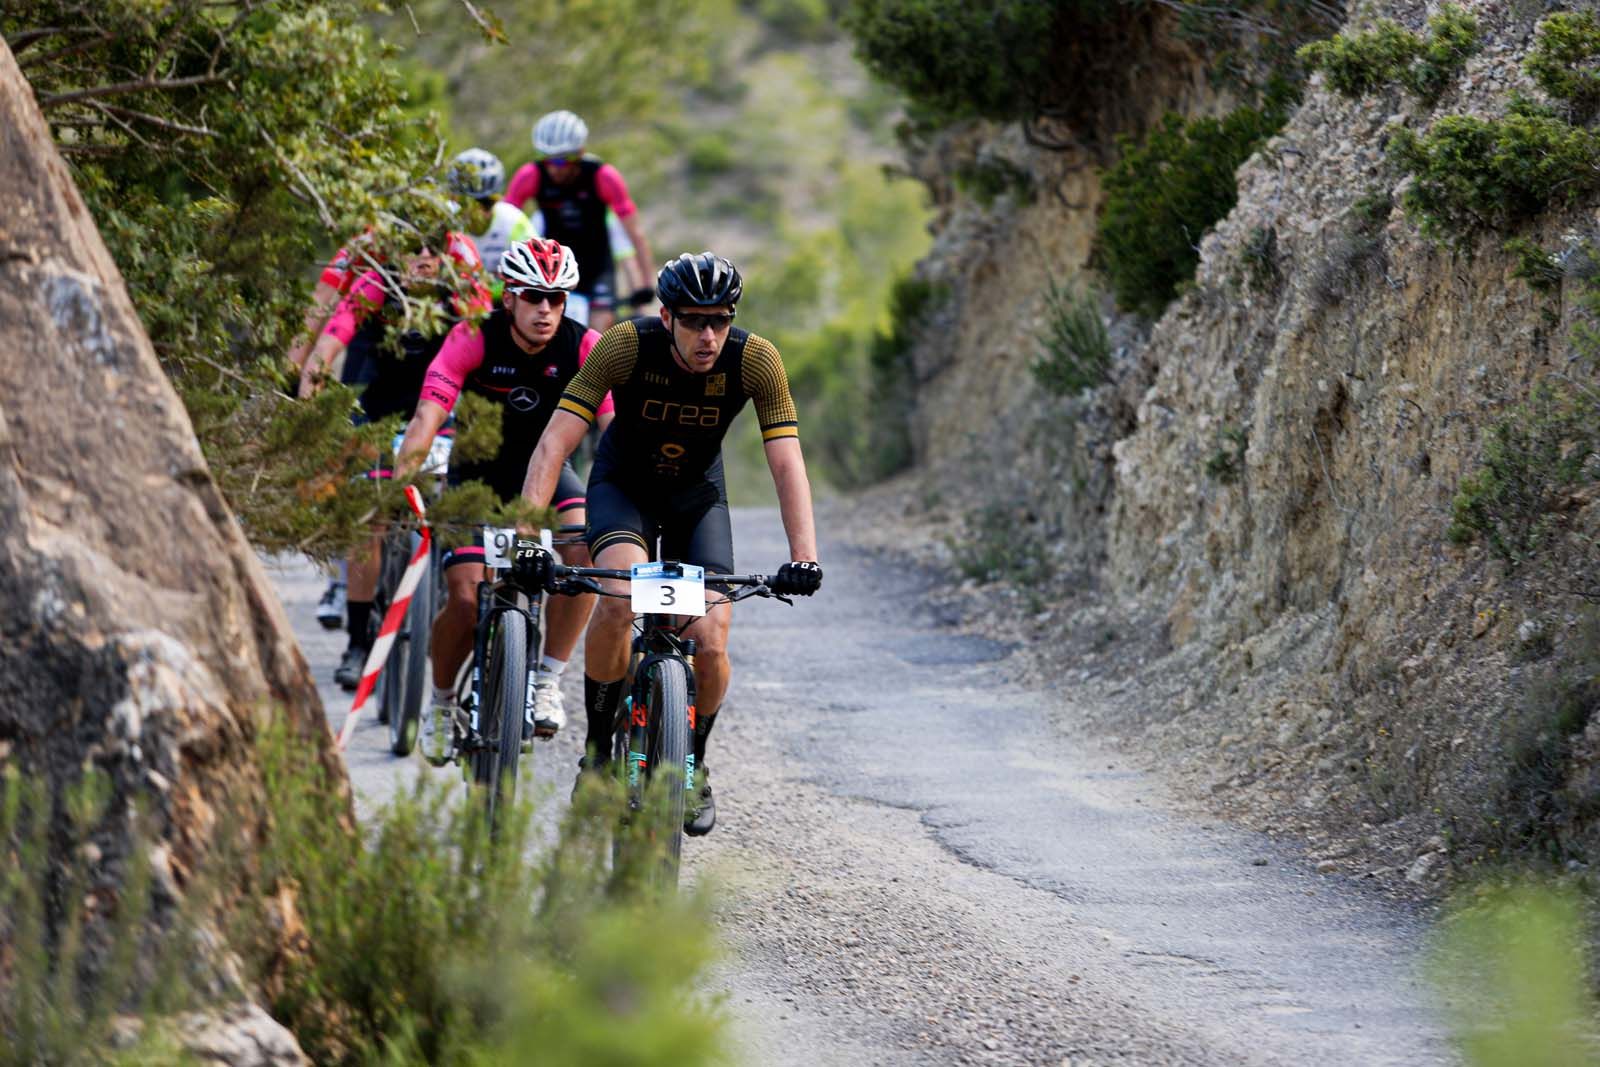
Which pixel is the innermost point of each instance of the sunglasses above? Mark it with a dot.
(699, 322)
(535, 297)
(560, 161)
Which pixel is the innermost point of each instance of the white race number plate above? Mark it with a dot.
(680, 592)
(498, 546)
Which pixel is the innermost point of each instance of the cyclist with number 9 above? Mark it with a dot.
(677, 383)
(522, 357)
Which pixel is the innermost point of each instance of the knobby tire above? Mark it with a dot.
(408, 665)
(500, 722)
(669, 750)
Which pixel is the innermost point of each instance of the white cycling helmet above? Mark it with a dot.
(543, 265)
(560, 133)
(476, 173)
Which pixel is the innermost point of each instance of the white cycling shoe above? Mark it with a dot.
(548, 714)
(436, 737)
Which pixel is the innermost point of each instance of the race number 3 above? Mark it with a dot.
(678, 591)
(498, 545)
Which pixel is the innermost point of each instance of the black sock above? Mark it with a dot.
(600, 704)
(702, 730)
(358, 616)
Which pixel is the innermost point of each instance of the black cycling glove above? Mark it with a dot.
(800, 578)
(531, 565)
(640, 297)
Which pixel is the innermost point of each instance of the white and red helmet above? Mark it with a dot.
(541, 264)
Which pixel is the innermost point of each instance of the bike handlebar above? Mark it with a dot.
(572, 580)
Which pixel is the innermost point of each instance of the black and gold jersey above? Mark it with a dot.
(670, 422)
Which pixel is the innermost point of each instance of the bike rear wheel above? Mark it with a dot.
(500, 722)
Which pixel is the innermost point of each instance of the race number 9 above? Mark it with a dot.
(498, 546)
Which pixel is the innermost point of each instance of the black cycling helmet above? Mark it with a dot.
(702, 280)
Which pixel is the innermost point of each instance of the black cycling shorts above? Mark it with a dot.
(692, 522)
(569, 496)
(602, 289)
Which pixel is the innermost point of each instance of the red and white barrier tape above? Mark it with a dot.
(391, 618)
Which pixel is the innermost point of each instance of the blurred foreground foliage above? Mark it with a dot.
(411, 942)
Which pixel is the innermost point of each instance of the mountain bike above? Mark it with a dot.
(652, 749)
(496, 691)
(404, 685)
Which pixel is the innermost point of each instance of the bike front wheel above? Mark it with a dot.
(408, 665)
(671, 761)
(500, 722)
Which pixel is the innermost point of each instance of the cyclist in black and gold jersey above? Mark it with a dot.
(677, 382)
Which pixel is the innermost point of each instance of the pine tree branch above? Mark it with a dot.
(142, 85)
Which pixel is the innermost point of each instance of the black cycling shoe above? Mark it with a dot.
(699, 821)
(587, 769)
(348, 672)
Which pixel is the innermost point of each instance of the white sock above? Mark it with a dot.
(444, 694)
(551, 665)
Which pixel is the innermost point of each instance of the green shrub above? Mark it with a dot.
(64, 984)
(1358, 64)
(1003, 543)
(1260, 259)
(1510, 967)
(803, 20)
(708, 155)
(1475, 173)
(1540, 269)
(1532, 458)
(959, 59)
(1077, 348)
(1226, 462)
(424, 946)
(1562, 60)
(1162, 196)
(991, 177)
(1362, 63)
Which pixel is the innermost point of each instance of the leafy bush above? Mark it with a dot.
(1540, 269)
(1164, 193)
(1562, 60)
(1475, 173)
(1077, 348)
(424, 946)
(64, 984)
(1362, 63)
(1003, 543)
(709, 154)
(1509, 964)
(1532, 458)
(957, 58)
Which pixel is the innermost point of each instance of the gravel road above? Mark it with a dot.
(913, 866)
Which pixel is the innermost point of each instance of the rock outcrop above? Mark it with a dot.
(1321, 644)
(142, 637)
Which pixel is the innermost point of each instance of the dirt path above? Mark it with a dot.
(913, 866)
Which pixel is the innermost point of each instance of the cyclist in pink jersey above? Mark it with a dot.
(572, 192)
(523, 357)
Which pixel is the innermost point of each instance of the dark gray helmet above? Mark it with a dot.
(702, 280)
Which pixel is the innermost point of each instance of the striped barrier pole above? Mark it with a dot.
(391, 618)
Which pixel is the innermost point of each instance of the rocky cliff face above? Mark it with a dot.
(142, 639)
(1323, 648)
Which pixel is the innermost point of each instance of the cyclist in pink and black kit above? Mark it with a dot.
(572, 192)
(523, 356)
(361, 323)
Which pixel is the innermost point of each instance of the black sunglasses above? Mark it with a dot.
(697, 323)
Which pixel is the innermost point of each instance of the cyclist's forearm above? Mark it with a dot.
(420, 432)
(641, 248)
(788, 467)
(561, 436)
(318, 364)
